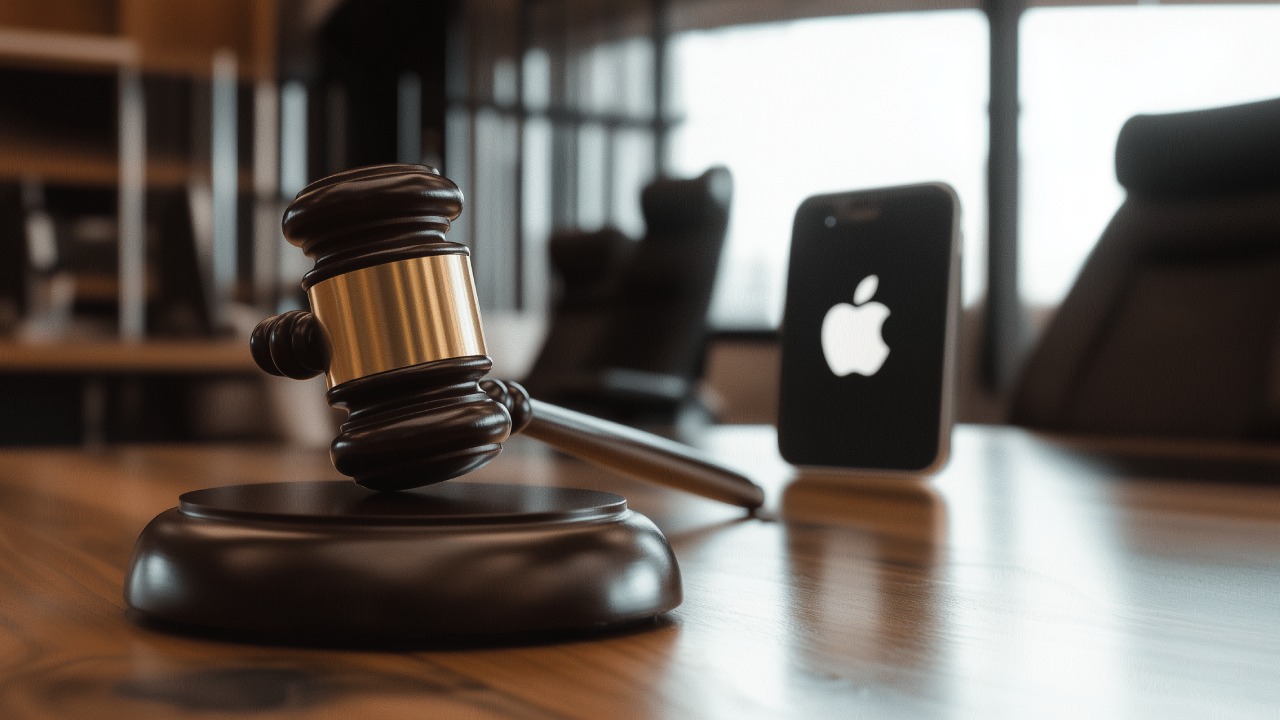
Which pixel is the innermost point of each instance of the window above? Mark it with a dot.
(798, 108)
(1084, 71)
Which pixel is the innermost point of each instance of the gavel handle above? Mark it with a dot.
(639, 454)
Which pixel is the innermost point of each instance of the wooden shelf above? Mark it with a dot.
(159, 37)
(153, 38)
(83, 52)
(182, 37)
(159, 357)
(77, 114)
(26, 154)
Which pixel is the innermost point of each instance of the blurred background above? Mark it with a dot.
(147, 150)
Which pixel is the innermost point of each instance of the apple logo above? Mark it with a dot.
(851, 339)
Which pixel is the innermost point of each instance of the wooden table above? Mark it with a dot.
(1033, 578)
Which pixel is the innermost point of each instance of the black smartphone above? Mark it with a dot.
(869, 330)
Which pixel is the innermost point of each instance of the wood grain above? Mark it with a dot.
(1033, 577)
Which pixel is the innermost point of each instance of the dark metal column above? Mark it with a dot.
(564, 129)
(524, 35)
(659, 33)
(1005, 324)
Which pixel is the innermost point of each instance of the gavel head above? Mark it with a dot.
(395, 327)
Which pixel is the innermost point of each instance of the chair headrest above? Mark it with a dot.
(1203, 152)
(579, 255)
(680, 206)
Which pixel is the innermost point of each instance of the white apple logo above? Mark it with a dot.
(851, 339)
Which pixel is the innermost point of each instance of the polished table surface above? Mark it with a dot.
(1034, 577)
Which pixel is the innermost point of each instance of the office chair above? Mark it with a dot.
(638, 358)
(587, 266)
(1172, 328)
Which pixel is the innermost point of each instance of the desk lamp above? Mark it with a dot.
(399, 555)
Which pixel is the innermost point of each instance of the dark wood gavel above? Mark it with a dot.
(395, 327)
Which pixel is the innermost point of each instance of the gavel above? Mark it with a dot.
(395, 327)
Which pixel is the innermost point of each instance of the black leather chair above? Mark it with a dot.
(587, 266)
(1173, 327)
(638, 357)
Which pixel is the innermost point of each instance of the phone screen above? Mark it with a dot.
(867, 329)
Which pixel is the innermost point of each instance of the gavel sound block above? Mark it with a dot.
(399, 555)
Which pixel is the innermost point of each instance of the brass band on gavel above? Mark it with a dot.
(398, 314)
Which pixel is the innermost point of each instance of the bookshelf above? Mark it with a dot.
(115, 49)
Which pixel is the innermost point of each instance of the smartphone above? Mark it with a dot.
(869, 330)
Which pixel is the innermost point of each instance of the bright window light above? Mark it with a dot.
(1084, 71)
(794, 109)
